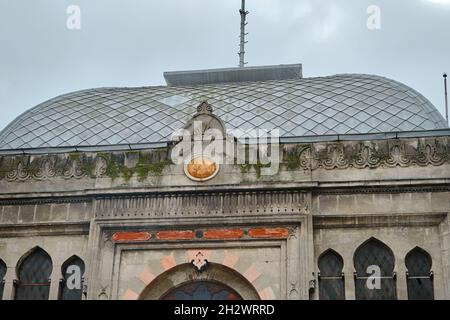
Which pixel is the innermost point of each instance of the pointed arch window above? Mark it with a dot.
(34, 276)
(419, 276)
(331, 277)
(375, 278)
(71, 285)
(3, 270)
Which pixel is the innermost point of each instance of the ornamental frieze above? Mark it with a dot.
(218, 204)
(143, 164)
(374, 154)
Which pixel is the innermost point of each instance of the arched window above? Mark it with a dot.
(374, 277)
(71, 286)
(331, 277)
(202, 290)
(2, 277)
(34, 276)
(419, 275)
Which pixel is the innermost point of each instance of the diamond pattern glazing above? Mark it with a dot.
(341, 104)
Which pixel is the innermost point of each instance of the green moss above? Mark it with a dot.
(380, 155)
(157, 168)
(258, 168)
(115, 167)
(245, 168)
(112, 168)
(291, 158)
(74, 156)
(126, 173)
(88, 168)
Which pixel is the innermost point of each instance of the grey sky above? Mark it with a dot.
(132, 42)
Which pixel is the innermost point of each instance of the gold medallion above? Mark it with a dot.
(201, 168)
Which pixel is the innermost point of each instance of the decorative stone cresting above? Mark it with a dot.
(374, 154)
(393, 153)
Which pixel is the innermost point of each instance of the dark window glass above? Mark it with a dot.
(419, 275)
(202, 290)
(34, 276)
(71, 286)
(331, 278)
(374, 253)
(2, 277)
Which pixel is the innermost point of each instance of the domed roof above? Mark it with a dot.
(340, 104)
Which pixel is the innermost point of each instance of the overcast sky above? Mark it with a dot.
(132, 42)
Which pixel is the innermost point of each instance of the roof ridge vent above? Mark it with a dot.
(226, 75)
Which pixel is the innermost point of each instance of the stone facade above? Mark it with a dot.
(138, 222)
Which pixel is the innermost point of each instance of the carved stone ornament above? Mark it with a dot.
(200, 262)
(204, 120)
(420, 152)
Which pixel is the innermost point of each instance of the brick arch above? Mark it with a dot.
(185, 273)
(222, 259)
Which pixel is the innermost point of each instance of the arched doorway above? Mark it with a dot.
(202, 290)
(184, 282)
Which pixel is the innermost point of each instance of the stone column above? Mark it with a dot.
(402, 290)
(349, 284)
(54, 285)
(293, 264)
(8, 290)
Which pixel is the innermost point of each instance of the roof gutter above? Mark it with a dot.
(283, 140)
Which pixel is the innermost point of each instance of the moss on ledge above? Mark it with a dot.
(148, 163)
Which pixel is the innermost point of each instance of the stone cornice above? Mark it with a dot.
(108, 195)
(382, 189)
(42, 229)
(378, 220)
(46, 200)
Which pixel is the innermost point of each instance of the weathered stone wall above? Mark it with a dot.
(23, 213)
(399, 238)
(333, 162)
(339, 193)
(262, 266)
(59, 246)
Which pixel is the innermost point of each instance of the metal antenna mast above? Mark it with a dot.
(244, 14)
(446, 97)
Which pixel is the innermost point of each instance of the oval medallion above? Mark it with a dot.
(201, 168)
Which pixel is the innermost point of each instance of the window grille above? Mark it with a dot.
(374, 253)
(34, 277)
(202, 290)
(71, 288)
(3, 270)
(331, 277)
(419, 276)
